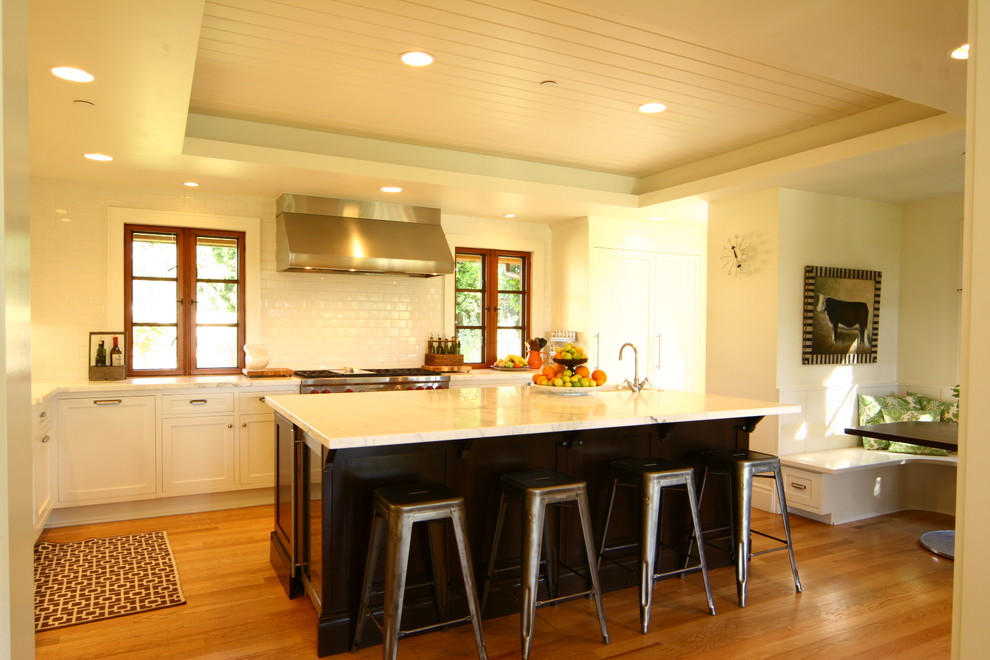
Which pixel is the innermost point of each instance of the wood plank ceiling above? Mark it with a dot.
(332, 65)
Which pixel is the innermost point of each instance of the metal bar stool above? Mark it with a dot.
(399, 507)
(651, 476)
(536, 490)
(741, 466)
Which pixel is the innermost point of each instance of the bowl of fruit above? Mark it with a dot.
(559, 378)
(570, 355)
(511, 363)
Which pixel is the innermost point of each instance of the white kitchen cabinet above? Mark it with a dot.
(197, 442)
(106, 449)
(256, 449)
(197, 454)
(653, 300)
(255, 433)
(204, 452)
(42, 465)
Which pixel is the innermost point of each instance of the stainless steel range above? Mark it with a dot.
(331, 381)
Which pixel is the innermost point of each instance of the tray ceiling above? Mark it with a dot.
(257, 94)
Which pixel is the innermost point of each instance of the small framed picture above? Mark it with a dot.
(106, 349)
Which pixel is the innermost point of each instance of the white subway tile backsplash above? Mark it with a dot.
(307, 320)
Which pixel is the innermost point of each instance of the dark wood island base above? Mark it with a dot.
(323, 509)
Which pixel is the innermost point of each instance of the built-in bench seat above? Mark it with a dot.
(842, 485)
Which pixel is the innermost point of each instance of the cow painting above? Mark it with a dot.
(846, 314)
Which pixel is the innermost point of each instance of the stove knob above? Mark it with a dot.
(348, 390)
(439, 387)
(422, 387)
(314, 391)
(325, 392)
(410, 387)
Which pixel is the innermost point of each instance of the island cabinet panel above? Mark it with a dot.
(332, 528)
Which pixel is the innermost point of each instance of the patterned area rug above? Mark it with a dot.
(96, 579)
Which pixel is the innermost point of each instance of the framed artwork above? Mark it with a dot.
(841, 315)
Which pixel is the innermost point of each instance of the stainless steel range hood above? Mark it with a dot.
(322, 234)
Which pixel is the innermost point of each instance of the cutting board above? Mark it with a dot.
(267, 373)
(448, 368)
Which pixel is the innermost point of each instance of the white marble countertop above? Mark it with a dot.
(371, 419)
(42, 389)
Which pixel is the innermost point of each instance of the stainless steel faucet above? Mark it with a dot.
(636, 384)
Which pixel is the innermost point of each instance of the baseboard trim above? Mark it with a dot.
(164, 506)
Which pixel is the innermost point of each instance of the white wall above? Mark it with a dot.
(971, 578)
(931, 298)
(824, 230)
(743, 311)
(16, 531)
(307, 320)
(755, 320)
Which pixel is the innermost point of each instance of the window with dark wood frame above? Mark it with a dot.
(491, 303)
(183, 301)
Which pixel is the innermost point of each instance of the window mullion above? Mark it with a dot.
(491, 322)
(187, 275)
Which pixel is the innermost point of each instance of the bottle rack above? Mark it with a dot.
(443, 352)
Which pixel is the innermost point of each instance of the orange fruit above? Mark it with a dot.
(549, 370)
(536, 377)
(583, 371)
(599, 376)
(560, 368)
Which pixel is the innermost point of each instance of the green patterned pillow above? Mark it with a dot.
(952, 414)
(902, 410)
(871, 412)
(938, 409)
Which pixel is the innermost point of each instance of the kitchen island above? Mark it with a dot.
(333, 451)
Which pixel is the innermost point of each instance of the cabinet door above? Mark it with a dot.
(621, 311)
(197, 454)
(654, 301)
(41, 465)
(256, 450)
(106, 449)
(675, 351)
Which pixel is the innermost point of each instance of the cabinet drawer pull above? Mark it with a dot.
(197, 402)
(799, 486)
(261, 399)
(107, 402)
(46, 438)
(44, 413)
(230, 426)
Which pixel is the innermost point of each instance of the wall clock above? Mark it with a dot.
(737, 256)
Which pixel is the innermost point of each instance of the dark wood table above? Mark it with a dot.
(940, 435)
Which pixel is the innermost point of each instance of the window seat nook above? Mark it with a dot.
(843, 485)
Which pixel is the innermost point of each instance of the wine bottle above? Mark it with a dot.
(116, 355)
(101, 354)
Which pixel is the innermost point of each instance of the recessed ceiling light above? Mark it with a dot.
(508, 215)
(191, 184)
(391, 189)
(652, 108)
(416, 58)
(72, 74)
(961, 53)
(100, 157)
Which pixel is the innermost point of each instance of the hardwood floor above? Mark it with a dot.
(870, 591)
